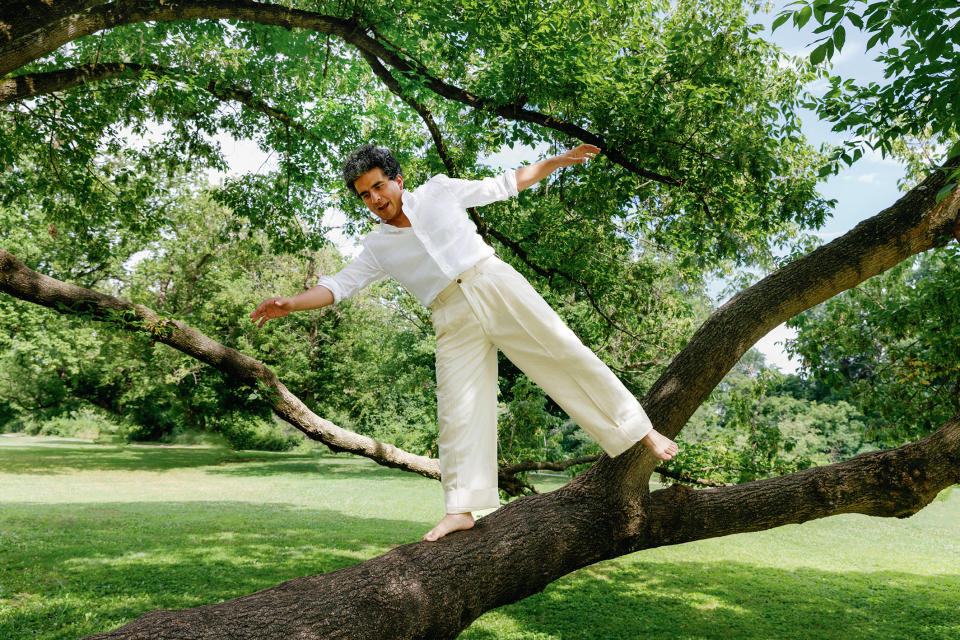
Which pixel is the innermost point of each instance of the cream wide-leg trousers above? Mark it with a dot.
(491, 306)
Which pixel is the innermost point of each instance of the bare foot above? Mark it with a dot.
(661, 446)
(451, 522)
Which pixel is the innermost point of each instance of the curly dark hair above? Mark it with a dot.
(365, 158)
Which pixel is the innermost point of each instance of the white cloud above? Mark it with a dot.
(771, 346)
(869, 178)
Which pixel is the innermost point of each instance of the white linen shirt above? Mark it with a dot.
(440, 243)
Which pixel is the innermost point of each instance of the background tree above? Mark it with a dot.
(885, 344)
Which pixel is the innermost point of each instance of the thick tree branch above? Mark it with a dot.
(894, 483)
(430, 590)
(32, 85)
(22, 282)
(914, 224)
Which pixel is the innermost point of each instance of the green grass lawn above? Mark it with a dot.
(91, 536)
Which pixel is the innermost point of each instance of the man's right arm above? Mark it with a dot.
(314, 298)
(362, 271)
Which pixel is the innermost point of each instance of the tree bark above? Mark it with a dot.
(30, 85)
(435, 590)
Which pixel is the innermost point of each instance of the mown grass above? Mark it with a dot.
(92, 536)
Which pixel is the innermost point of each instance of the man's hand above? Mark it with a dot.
(578, 155)
(532, 174)
(271, 308)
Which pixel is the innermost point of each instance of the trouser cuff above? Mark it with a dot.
(627, 434)
(465, 500)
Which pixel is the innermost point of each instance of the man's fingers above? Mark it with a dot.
(261, 313)
(582, 153)
(268, 309)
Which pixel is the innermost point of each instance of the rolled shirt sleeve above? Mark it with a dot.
(364, 270)
(476, 193)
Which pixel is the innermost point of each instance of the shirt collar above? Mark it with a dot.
(409, 203)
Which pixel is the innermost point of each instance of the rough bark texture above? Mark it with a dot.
(434, 590)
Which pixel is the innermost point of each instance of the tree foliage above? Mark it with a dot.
(917, 45)
(885, 344)
(706, 168)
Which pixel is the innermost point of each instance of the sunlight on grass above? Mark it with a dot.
(93, 536)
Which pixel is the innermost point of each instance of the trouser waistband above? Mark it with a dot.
(466, 275)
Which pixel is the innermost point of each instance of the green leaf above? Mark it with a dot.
(803, 16)
(818, 54)
(943, 193)
(839, 37)
(783, 17)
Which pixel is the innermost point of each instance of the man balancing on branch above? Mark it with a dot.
(427, 242)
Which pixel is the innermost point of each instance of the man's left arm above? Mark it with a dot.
(476, 193)
(533, 173)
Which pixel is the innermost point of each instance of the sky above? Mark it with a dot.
(861, 191)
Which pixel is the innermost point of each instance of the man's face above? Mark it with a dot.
(380, 193)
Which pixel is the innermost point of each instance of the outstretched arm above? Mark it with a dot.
(532, 174)
(318, 296)
(348, 281)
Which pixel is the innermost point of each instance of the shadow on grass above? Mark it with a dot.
(56, 457)
(733, 600)
(72, 569)
(331, 467)
(64, 457)
(69, 570)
